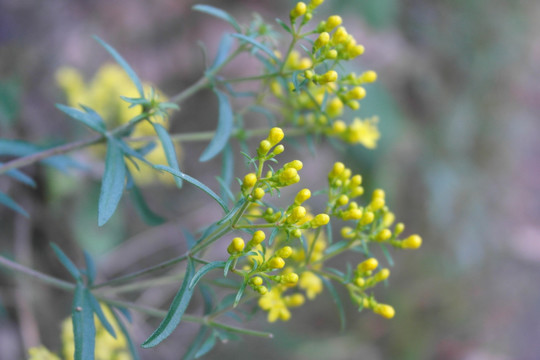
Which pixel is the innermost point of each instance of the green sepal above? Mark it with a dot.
(176, 310)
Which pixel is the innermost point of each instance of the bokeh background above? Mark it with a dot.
(458, 96)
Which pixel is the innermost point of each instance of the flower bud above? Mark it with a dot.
(249, 180)
(383, 235)
(333, 22)
(276, 135)
(258, 193)
(382, 275)
(237, 245)
(276, 263)
(412, 242)
(298, 10)
(368, 265)
(285, 252)
(302, 196)
(386, 311)
(322, 40)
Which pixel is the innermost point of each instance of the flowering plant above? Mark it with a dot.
(278, 255)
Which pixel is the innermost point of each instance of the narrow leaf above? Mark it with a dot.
(92, 120)
(195, 344)
(68, 264)
(131, 345)
(206, 346)
(227, 266)
(221, 14)
(224, 128)
(283, 25)
(176, 310)
(337, 301)
(272, 236)
(90, 267)
(240, 292)
(387, 254)
(112, 186)
(203, 270)
(257, 44)
(146, 214)
(123, 63)
(84, 330)
(227, 171)
(96, 307)
(169, 149)
(223, 50)
(7, 201)
(195, 182)
(21, 177)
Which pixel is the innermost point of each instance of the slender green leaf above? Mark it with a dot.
(227, 171)
(123, 63)
(146, 214)
(90, 267)
(223, 50)
(257, 44)
(233, 211)
(224, 128)
(195, 182)
(92, 119)
(84, 330)
(21, 177)
(176, 310)
(227, 266)
(125, 311)
(221, 14)
(284, 26)
(387, 255)
(169, 149)
(68, 264)
(336, 246)
(240, 292)
(272, 236)
(203, 270)
(337, 301)
(10, 203)
(131, 345)
(195, 344)
(112, 186)
(206, 346)
(96, 307)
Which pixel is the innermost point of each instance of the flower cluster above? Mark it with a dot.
(313, 94)
(104, 94)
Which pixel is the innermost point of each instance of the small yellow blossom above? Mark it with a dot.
(311, 284)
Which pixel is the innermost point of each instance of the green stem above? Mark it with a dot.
(241, 330)
(12, 265)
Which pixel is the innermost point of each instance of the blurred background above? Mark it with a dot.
(458, 96)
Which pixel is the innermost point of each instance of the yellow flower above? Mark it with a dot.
(311, 284)
(41, 353)
(277, 305)
(364, 132)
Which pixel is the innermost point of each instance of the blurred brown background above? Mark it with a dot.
(458, 96)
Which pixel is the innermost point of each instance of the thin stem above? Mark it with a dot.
(12, 265)
(241, 330)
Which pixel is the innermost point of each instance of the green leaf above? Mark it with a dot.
(68, 264)
(90, 267)
(195, 343)
(233, 211)
(227, 266)
(203, 270)
(336, 246)
(224, 128)
(84, 330)
(195, 182)
(206, 346)
(123, 63)
(223, 50)
(337, 301)
(146, 214)
(240, 292)
(89, 117)
(112, 186)
(221, 14)
(7, 201)
(101, 316)
(176, 310)
(131, 345)
(284, 26)
(168, 147)
(387, 254)
(257, 44)
(272, 236)
(21, 177)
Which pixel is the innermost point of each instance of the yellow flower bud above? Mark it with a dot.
(376, 204)
(262, 290)
(294, 300)
(297, 214)
(257, 280)
(388, 219)
(285, 252)
(332, 54)
(378, 193)
(383, 235)
(275, 136)
(355, 51)
(382, 275)
(308, 74)
(336, 170)
(249, 180)
(258, 237)
(329, 76)
(343, 200)
(322, 40)
(288, 174)
(356, 180)
(412, 242)
(264, 147)
(368, 77)
(399, 228)
(237, 245)
(347, 232)
(295, 164)
(302, 196)
(278, 149)
(320, 220)
(360, 281)
(304, 63)
(315, 3)
(258, 193)
(368, 265)
(386, 311)
(357, 191)
(276, 89)
(296, 233)
(356, 93)
(339, 126)
(334, 107)
(367, 218)
(276, 263)
(333, 22)
(289, 279)
(353, 104)
(340, 35)
(299, 10)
